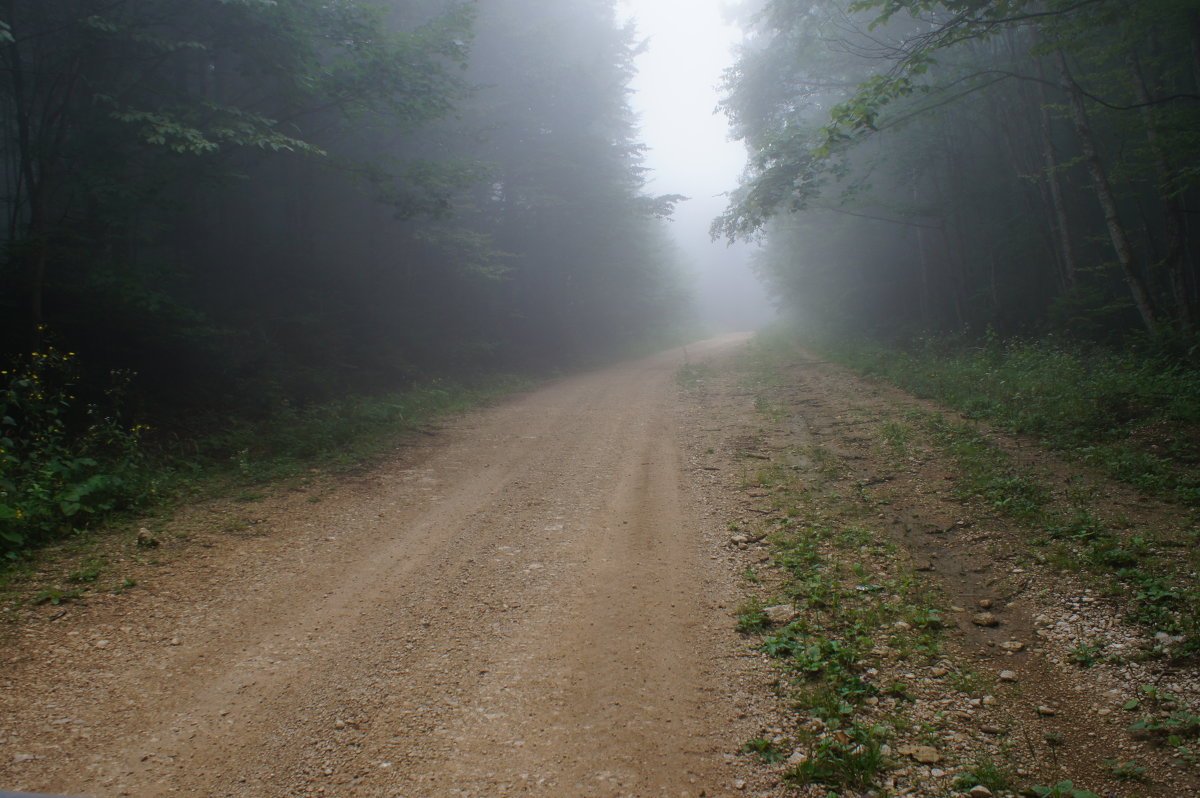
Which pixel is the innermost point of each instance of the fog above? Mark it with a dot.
(265, 217)
(687, 46)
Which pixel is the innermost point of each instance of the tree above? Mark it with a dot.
(966, 83)
(119, 113)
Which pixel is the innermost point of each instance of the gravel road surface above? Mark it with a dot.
(533, 601)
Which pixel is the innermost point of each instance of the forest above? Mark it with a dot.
(235, 230)
(241, 209)
(362, 432)
(921, 167)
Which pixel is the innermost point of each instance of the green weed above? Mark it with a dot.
(1085, 655)
(1063, 789)
(767, 750)
(751, 618)
(986, 773)
(58, 595)
(1126, 771)
(1178, 725)
(89, 571)
(844, 758)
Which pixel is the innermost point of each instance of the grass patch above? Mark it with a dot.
(986, 472)
(1136, 417)
(852, 759)
(867, 624)
(831, 561)
(840, 580)
(1134, 414)
(1163, 594)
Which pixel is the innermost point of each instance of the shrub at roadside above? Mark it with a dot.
(67, 463)
(64, 461)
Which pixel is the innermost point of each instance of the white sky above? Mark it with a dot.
(676, 94)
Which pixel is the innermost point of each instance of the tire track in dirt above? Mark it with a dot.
(530, 605)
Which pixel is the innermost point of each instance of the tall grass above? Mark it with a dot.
(1136, 415)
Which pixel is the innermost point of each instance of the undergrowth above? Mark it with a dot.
(66, 460)
(857, 611)
(1136, 415)
(334, 434)
(71, 461)
(837, 602)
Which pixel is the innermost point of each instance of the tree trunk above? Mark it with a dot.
(1196, 51)
(1126, 259)
(31, 244)
(1173, 215)
(1066, 246)
(43, 86)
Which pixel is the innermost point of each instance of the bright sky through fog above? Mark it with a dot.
(676, 93)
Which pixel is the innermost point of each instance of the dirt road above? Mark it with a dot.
(533, 602)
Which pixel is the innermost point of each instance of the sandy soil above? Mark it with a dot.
(536, 600)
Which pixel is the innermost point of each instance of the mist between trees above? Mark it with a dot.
(924, 166)
(247, 202)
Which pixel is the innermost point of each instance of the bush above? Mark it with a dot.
(63, 461)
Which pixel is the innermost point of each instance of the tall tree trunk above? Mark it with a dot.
(1126, 259)
(31, 243)
(1196, 51)
(923, 258)
(1173, 215)
(43, 91)
(1005, 117)
(1066, 245)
